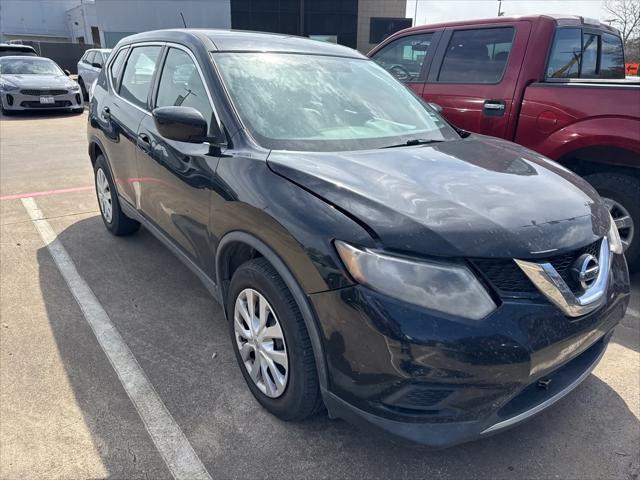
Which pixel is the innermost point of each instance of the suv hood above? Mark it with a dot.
(475, 197)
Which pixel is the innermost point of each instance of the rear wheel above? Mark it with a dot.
(621, 194)
(271, 342)
(112, 216)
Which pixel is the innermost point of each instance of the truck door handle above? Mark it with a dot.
(494, 108)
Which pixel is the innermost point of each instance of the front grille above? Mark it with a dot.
(507, 278)
(37, 93)
(417, 397)
(33, 104)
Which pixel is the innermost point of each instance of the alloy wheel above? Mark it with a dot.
(104, 195)
(261, 343)
(623, 220)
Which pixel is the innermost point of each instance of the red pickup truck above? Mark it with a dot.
(554, 84)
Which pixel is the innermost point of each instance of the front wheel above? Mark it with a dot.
(271, 342)
(621, 194)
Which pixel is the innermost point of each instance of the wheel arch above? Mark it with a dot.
(238, 245)
(602, 158)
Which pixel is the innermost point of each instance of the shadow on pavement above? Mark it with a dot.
(174, 329)
(37, 115)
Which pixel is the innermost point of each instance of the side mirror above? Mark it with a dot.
(435, 106)
(96, 65)
(184, 124)
(67, 72)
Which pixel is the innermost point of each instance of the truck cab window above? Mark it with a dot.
(585, 55)
(404, 57)
(612, 57)
(477, 56)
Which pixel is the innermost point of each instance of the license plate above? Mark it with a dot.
(47, 100)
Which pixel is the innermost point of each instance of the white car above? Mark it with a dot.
(89, 67)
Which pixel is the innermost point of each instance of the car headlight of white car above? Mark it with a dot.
(7, 86)
(74, 87)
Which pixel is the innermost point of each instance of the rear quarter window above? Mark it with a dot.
(585, 54)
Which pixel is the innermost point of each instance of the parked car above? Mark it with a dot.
(36, 83)
(12, 49)
(368, 256)
(89, 67)
(553, 84)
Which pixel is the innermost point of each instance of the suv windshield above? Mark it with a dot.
(29, 66)
(323, 103)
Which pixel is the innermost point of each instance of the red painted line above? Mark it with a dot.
(46, 192)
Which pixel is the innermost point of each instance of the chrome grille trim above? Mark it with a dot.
(547, 280)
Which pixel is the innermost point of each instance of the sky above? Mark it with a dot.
(434, 11)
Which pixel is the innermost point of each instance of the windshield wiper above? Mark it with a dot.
(415, 141)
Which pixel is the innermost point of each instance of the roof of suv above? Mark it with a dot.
(243, 41)
(560, 20)
(17, 47)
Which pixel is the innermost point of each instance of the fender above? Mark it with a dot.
(298, 294)
(617, 132)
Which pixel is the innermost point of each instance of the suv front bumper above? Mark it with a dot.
(440, 380)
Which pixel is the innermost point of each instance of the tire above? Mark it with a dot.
(83, 89)
(116, 222)
(5, 112)
(300, 398)
(624, 190)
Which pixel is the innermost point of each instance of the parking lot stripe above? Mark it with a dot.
(43, 193)
(165, 433)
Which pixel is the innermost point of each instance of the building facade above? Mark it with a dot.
(357, 24)
(35, 20)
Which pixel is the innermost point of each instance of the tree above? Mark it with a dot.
(625, 16)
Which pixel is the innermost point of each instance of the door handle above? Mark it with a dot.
(106, 112)
(144, 142)
(494, 108)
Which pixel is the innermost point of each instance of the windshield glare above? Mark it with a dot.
(29, 66)
(322, 103)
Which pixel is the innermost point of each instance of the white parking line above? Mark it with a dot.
(167, 436)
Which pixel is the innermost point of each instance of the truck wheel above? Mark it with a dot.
(271, 342)
(621, 193)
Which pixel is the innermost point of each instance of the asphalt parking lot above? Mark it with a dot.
(64, 412)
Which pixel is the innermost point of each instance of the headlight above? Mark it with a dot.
(446, 287)
(8, 87)
(615, 244)
(75, 87)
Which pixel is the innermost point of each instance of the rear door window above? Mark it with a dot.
(405, 57)
(138, 74)
(477, 56)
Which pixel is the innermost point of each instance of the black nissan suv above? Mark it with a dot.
(370, 258)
